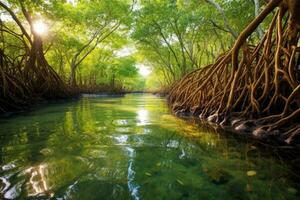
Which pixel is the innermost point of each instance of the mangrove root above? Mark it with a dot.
(260, 83)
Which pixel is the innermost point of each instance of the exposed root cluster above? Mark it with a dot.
(27, 79)
(25, 75)
(255, 89)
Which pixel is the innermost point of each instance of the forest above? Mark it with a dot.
(51, 49)
(226, 66)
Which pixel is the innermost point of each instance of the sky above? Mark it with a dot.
(73, 2)
(144, 70)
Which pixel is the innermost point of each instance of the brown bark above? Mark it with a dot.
(261, 88)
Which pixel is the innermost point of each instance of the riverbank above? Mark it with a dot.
(248, 128)
(71, 93)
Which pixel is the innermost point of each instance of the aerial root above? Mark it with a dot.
(27, 81)
(262, 87)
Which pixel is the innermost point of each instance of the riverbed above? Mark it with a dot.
(131, 147)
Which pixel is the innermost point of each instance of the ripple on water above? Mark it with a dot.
(124, 129)
(8, 167)
(120, 122)
(101, 128)
(96, 148)
(4, 184)
(102, 189)
(120, 139)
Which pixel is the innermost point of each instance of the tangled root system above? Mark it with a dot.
(258, 85)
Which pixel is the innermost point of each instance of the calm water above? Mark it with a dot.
(130, 148)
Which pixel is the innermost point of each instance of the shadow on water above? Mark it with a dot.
(131, 148)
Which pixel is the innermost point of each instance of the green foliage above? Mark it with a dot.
(174, 37)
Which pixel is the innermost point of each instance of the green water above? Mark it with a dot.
(130, 148)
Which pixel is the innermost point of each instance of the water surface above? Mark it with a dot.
(130, 148)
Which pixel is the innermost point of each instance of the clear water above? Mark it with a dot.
(130, 148)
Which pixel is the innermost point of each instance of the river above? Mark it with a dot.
(130, 148)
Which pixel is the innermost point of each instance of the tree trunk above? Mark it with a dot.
(72, 79)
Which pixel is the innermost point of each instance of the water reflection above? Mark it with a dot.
(130, 148)
(122, 139)
(37, 183)
(142, 117)
(132, 186)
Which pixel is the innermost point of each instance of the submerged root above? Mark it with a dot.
(260, 83)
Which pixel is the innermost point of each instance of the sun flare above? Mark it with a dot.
(144, 71)
(40, 27)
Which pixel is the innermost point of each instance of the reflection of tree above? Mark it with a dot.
(102, 142)
(37, 140)
(37, 183)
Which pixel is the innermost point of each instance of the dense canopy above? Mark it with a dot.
(106, 42)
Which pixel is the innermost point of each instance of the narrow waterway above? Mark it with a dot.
(130, 148)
